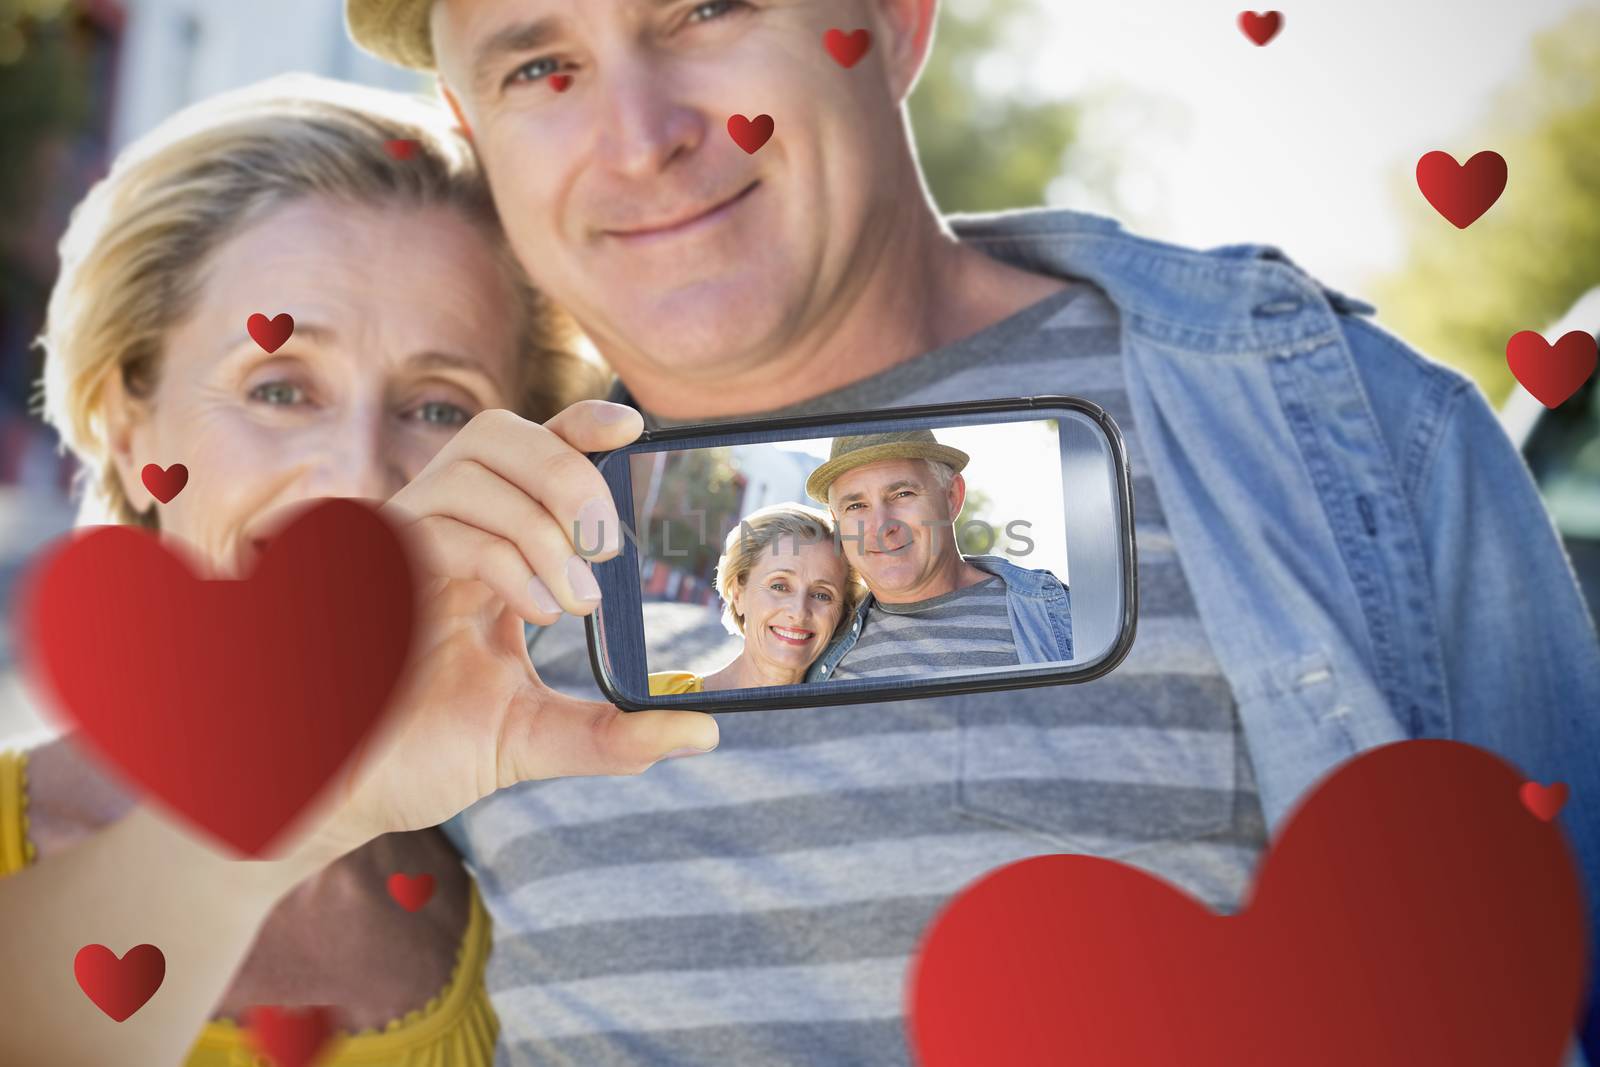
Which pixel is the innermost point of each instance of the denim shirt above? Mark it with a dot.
(1039, 606)
(1370, 558)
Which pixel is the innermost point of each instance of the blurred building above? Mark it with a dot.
(179, 51)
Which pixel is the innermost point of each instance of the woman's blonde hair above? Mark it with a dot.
(760, 530)
(134, 254)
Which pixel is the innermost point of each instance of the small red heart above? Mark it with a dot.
(119, 987)
(401, 149)
(1545, 801)
(1410, 868)
(1552, 373)
(411, 891)
(560, 82)
(270, 334)
(751, 134)
(1261, 28)
(1462, 192)
(164, 484)
(847, 48)
(287, 1037)
(249, 695)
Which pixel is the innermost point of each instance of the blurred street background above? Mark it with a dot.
(1158, 112)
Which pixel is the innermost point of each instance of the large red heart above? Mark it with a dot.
(291, 1038)
(1552, 373)
(230, 702)
(119, 987)
(1462, 192)
(1412, 913)
(750, 134)
(847, 48)
(271, 333)
(1261, 28)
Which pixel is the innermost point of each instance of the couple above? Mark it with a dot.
(884, 559)
(1338, 547)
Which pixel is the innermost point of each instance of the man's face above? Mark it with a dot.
(624, 195)
(895, 525)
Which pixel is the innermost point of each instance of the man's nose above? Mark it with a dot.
(644, 128)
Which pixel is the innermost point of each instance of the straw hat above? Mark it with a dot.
(396, 30)
(849, 453)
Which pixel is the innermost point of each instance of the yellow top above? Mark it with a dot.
(457, 1028)
(666, 683)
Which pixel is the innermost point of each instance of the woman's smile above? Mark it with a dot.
(790, 636)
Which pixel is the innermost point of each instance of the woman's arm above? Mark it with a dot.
(140, 881)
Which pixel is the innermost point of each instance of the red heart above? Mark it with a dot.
(1552, 373)
(1410, 914)
(1462, 193)
(1261, 28)
(164, 484)
(847, 48)
(1544, 801)
(401, 148)
(560, 82)
(231, 702)
(270, 334)
(751, 134)
(290, 1038)
(411, 891)
(119, 987)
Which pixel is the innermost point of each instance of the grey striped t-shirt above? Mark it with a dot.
(760, 905)
(964, 629)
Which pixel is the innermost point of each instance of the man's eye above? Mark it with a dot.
(278, 394)
(534, 70)
(440, 413)
(714, 9)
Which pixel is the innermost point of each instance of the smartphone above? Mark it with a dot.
(866, 556)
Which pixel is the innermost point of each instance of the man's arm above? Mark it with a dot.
(1521, 657)
(140, 881)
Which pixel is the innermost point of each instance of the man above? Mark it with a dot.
(1338, 547)
(895, 497)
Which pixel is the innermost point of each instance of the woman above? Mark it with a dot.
(363, 216)
(785, 585)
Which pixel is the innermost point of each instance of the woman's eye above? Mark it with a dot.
(713, 9)
(440, 413)
(534, 71)
(278, 394)
(824, 596)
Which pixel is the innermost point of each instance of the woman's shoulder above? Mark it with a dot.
(666, 683)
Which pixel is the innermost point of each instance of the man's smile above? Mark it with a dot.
(680, 225)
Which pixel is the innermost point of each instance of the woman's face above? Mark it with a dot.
(404, 328)
(791, 602)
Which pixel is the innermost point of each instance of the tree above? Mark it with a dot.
(1463, 293)
(982, 149)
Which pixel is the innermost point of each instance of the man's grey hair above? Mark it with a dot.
(943, 475)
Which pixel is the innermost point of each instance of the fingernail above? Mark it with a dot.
(584, 587)
(598, 530)
(687, 750)
(542, 596)
(605, 411)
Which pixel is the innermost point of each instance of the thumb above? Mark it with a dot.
(596, 425)
(565, 737)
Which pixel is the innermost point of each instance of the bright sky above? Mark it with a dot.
(1299, 143)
